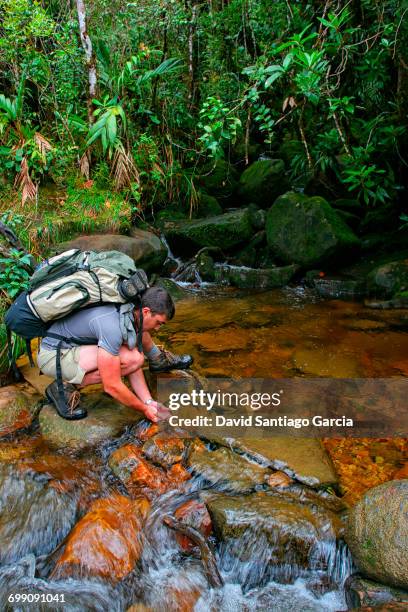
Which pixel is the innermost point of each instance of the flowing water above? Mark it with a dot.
(300, 564)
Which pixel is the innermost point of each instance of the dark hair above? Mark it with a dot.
(159, 301)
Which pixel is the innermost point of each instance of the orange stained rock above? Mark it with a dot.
(402, 472)
(195, 514)
(149, 432)
(279, 479)
(179, 599)
(178, 473)
(363, 463)
(106, 542)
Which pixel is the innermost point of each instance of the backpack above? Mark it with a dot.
(66, 283)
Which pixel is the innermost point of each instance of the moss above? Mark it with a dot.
(263, 181)
(306, 230)
(224, 231)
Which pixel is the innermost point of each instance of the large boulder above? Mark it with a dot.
(223, 231)
(106, 542)
(263, 181)
(269, 533)
(219, 180)
(207, 206)
(307, 231)
(145, 248)
(106, 419)
(377, 533)
(35, 517)
(18, 406)
(254, 278)
(389, 280)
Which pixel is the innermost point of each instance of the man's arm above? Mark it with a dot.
(110, 373)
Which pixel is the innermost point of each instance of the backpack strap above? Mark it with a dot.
(16, 372)
(61, 339)
(29, 352)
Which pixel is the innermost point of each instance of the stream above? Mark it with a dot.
(276, 549)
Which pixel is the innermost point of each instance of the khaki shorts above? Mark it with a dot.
(70, 368)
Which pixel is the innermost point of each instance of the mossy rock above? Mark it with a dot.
(106, 419)
(223, 231)
(227, 470)
(145, 248)
(263, 181)
(18, 407)
(389, 280)
(176, 292)
(208, 206)
(377, 533)
(307, 231)
(254, 278)
(290, 529)
(219, 180)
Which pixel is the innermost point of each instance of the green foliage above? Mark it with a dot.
(179, 82)
(14, 276)
(218, 125)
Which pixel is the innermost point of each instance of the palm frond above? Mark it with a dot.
(44, 146)
(169, 66)
(124, 169)
(84, 165)
(23, 181)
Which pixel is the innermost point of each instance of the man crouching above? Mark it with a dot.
(109, 357)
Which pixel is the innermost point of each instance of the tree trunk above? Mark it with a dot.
(192, 55)
(90, 57)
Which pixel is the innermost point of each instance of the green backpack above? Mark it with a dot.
(68, 282)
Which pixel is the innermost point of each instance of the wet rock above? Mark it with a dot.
(272, 532)
(398, 302)
(249, 255)
(176, 292)
(339, 288)
(263, 181)
(205, 267)
(223, 231)
(145, 248)
(227, 469)
(165, 450)
(389, 280)
(18, 406)
(254, 278)
(302, 458)
(307, 231)
(377, 533)
(194, 514)
(141, 477)
(106, 419)
(280, 480)
(79, 595)
(336, 362)
(106, 542)
(219, 180)
(35, 517)
(362, 592)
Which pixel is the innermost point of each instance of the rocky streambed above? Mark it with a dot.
(254, 525)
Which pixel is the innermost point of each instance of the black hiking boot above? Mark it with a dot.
(68, 407)
(167, 361)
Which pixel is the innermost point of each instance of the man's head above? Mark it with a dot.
(157, 307)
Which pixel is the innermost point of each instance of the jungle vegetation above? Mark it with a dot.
(138, 98)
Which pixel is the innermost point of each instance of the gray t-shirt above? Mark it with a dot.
(101, 323)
